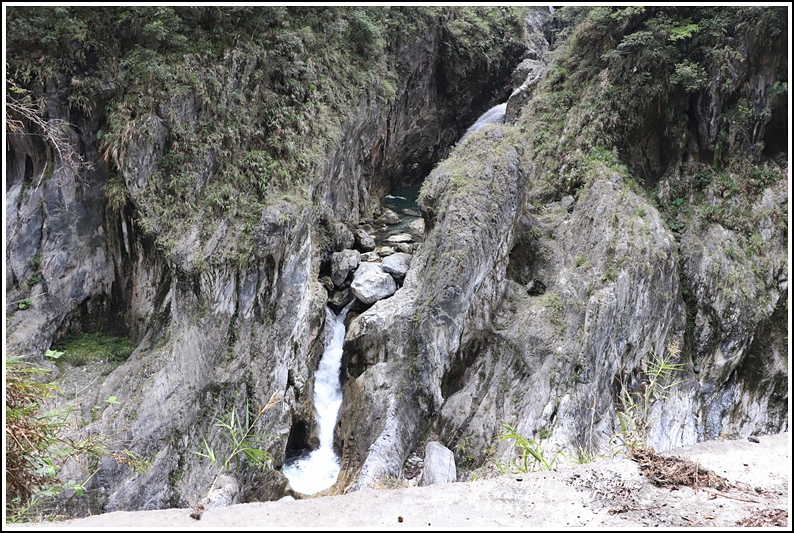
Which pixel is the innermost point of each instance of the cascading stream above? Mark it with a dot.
(315, 471)
(495, 115)
(312, 472)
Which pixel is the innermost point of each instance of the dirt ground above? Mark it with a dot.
(725, 484)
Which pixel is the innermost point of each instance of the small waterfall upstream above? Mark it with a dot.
(495, 115)
(312, 472)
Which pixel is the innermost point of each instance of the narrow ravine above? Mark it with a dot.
(313, 471)
(403, 199)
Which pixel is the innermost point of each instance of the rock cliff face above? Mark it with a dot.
(210, 339)
(541, 291)
(543, 314)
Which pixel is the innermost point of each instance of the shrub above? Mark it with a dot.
(240, 436)
(530, 457)
(36, 444)
(634, 417)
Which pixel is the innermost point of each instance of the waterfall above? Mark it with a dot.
(314, 471)
(495, 115)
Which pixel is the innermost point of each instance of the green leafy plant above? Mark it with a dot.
(53, 354)
(36, 441)
(239, 435)
(634, 418)
(531, 457)
(39, 441)
(463, 451)
(79, 349)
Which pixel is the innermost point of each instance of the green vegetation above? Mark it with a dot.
(39, 442)
(462, 450)
(553, 302)
(530, 458)
(584, 456)
(83, 348)
(33, 439)
(241, 105)
(635, 414)
(629, 75)
(243, 442)
(581, 261)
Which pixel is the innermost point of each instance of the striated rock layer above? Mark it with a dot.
(544, 285)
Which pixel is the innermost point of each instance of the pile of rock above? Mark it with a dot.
(369, 273)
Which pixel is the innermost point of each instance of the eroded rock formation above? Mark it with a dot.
(534, 299)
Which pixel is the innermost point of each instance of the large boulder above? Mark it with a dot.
(390, 217)
(364, 240)
(266, 486)
(342, 263)
(439, 465)
(397, 264)
(371, 283)
(417, 226)
(399, 238)
(339, 299)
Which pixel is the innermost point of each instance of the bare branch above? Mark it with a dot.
(54, 131)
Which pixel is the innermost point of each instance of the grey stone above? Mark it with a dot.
(342, 263)
(400, 237)
(341, 236)
(407, 248)
(266, 486)
(417, 226)
(390, 217)
(439, 465)
(339, 299)
(397, 264)
(384, 251)
(371, 283)
(364, 240)
(226, 492)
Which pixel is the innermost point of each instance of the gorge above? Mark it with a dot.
(227, 196)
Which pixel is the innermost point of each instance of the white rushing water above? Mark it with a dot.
(495, 115)
(310, 473)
